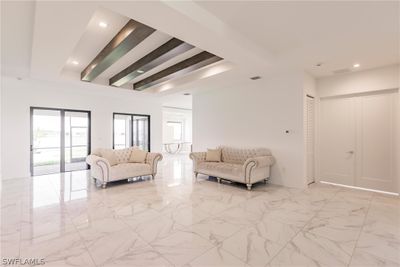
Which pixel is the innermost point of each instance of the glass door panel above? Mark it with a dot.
(141, 132)
(46, 141)
(76, 140)
(122, 131)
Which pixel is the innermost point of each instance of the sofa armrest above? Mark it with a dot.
(197, 158)
(259, 162)
(153, 159)
(254, 163)
(100, 167)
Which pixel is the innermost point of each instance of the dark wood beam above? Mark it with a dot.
(127, 38)
(188, 65)
(165, 52)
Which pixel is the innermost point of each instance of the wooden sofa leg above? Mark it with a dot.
(219, 180)
(249, 186)
(152, 176)
(195, 174)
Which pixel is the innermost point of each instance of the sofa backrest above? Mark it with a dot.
(122, 155)
(240, 155)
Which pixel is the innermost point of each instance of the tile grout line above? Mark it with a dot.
(126, 224)
(79, 234)
(316, 213)
(246, 226)
(361, 230)
(218, 246)
(145, 241)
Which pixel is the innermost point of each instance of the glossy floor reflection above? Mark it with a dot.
(175, 220)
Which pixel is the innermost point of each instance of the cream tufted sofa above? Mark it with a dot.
(246, 166)
(103, 172)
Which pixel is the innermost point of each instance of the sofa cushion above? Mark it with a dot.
(221, 168)
(110, 156)
(240, 155)
(125, 170)
(213, 155)
(138, 156)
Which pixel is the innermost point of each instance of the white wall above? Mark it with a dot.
(19, 96)
(256, 114)
(362, 82)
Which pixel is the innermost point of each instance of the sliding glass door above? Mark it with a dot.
(131, 130)
(45, 141)
(76, 144)
(60, 140)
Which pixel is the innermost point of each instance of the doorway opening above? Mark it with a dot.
(177, 130)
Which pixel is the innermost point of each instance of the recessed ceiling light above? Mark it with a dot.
(140, 71)
(75, 62)
(356, 65)
(103, 24)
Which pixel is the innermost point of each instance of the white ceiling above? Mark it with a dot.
(255, 37)
(335, 33)
(16, 37)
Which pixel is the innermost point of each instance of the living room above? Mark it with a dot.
(200, 133)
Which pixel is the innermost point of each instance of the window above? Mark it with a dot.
(131, 130)
(176, 130)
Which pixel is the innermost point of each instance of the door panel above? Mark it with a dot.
(337, 139)
(140, 132)
(376, 142)
(122, 131)
(46, 141)
(76, 125)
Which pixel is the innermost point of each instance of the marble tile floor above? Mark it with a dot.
(176, 220)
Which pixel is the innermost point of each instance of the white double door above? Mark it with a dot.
(358, 141)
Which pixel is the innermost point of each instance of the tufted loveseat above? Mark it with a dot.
(247, 166)
(103, 172)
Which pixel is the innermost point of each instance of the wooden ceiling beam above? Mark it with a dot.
(127, 38)
(188, 65)
(160, 55)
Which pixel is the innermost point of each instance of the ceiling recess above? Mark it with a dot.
(127, 39)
